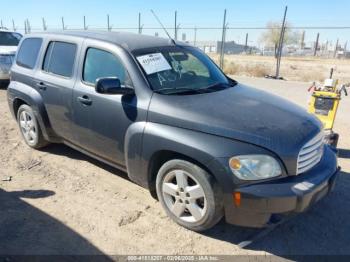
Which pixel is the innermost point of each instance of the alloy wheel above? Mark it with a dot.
(28, 127)
(184, 196)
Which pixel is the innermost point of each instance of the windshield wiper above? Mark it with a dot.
(186, 90)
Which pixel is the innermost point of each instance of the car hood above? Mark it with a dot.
(8, 50)
(242, 113)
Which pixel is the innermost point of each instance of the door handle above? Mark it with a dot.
(41, 85)
(84, 100)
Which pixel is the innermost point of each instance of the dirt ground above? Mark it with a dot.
(305, 69)
(60, 201)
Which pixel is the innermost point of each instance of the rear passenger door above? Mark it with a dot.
(55, 80)
(101, 120)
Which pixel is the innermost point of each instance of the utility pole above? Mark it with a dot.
(195, 36)
(1, 25)
(25, 27)
(280, 44)
(336, 49)
(63, 25)
(316, 44)
(44, 24)
(246, 42)
(222, 47)
(14, 26)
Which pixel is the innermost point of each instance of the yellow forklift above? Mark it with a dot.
(324, 104)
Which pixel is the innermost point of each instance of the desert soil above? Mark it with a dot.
(306, 69)
(60, 201)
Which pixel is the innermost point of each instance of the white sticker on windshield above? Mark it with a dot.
(153, 63)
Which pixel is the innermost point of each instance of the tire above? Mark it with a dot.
(29, 127)
(190, 196)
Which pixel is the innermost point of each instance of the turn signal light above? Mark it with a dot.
(235, 164)
(237, 198)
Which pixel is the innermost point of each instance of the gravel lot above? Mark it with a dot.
(62, 202)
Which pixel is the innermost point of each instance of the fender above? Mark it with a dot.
(133, 148)
(201, 147)
(33, 98)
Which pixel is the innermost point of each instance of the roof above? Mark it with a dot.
(130, 41)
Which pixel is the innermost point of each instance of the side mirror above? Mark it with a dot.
(112, 86)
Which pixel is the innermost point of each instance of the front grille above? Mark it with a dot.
(310, 154)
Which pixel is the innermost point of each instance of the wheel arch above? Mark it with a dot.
(159, 158)
(17, 102)
(19, 94)
(161, 143)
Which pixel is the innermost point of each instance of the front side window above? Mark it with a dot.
(28, 52)
(176, 69)
(99, 63)
(9, 39)
(59, 58)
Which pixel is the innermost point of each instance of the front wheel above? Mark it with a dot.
(189, 195)
(30, 128)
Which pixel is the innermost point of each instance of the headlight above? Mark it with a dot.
(255, 167)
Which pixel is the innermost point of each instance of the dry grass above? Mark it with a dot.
(306, 69)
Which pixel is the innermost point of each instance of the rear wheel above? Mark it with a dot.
(30, 128)
(189, 195)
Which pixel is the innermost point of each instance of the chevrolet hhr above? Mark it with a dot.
(204, 145)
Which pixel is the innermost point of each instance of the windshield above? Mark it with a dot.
(176, 69)
(9, 39)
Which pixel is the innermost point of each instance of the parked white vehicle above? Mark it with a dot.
(8, 46)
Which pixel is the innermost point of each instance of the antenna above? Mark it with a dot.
(156, 17)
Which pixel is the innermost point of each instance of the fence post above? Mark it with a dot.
(280, 44)
(140, 26)
(63, 25)
(316, 44)
(175, 26)
(44, 24)
(302, 41)
(28, 27)
(14, 26)
(195, 36)
(84, 23)
(336, 49)
(222, 47)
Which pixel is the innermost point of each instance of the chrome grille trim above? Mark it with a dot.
(310, 154)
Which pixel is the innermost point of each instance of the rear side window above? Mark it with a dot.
(9, 39)
(28, 52)
(59, 58)
(99, 63)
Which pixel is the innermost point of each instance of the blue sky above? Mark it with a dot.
(200, 13)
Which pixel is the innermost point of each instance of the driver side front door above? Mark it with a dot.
(101, 120)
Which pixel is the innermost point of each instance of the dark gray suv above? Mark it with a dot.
(162, 111)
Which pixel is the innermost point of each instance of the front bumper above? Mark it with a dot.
(262, 203)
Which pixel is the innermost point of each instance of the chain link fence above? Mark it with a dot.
(250, 51)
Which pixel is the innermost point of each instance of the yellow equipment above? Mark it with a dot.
(324, 104)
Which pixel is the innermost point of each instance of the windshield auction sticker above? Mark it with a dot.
(153, 63)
